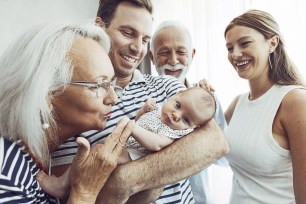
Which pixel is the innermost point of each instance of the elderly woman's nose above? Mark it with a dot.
(110, 98)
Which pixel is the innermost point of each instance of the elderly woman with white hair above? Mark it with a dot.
(56, 82)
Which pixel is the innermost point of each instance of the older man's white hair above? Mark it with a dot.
(173, 24)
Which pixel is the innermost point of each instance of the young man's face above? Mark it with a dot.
(130, 32)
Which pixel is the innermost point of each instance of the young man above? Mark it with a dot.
(172, 54)
(129, 24)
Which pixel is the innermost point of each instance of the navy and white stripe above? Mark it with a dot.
(131, 99)
(17, 177)
(176, 193)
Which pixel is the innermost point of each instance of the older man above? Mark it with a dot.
(172, 54)
(129, 24)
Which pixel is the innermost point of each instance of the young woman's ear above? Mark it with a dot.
(273, 43)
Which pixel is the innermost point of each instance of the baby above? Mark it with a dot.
(156, 128)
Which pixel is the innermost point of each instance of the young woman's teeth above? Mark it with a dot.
(242, 63)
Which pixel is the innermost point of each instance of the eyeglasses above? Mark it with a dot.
(101, 88)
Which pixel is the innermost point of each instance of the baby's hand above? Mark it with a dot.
(149, 105)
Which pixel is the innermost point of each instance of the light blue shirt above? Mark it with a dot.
(201, 183)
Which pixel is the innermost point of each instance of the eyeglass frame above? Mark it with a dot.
(105, 84)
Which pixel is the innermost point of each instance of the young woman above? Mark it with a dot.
(267, 125)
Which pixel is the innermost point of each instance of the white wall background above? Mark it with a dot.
(17, 15)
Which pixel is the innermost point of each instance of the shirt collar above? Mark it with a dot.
(137, 77)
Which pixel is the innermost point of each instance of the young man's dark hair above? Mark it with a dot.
(107, 8)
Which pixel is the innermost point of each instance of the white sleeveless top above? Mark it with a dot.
(262, 169)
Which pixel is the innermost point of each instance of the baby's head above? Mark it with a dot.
(189, 109)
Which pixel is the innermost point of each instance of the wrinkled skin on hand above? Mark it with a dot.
(91, 167)
(58, 187)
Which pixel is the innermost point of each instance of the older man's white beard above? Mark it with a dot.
(184, 69)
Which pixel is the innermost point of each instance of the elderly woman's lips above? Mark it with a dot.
(108, 115)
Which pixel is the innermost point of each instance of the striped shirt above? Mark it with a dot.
(130, 100)
(17, 176)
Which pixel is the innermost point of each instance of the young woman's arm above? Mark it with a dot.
(293, 119)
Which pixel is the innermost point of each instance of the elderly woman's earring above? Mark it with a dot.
(45, 126)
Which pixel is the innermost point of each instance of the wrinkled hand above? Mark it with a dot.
(56, 186)
(149, 105)
(91, 168)
(203, 83)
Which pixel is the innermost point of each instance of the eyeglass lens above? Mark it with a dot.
(104, 87)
